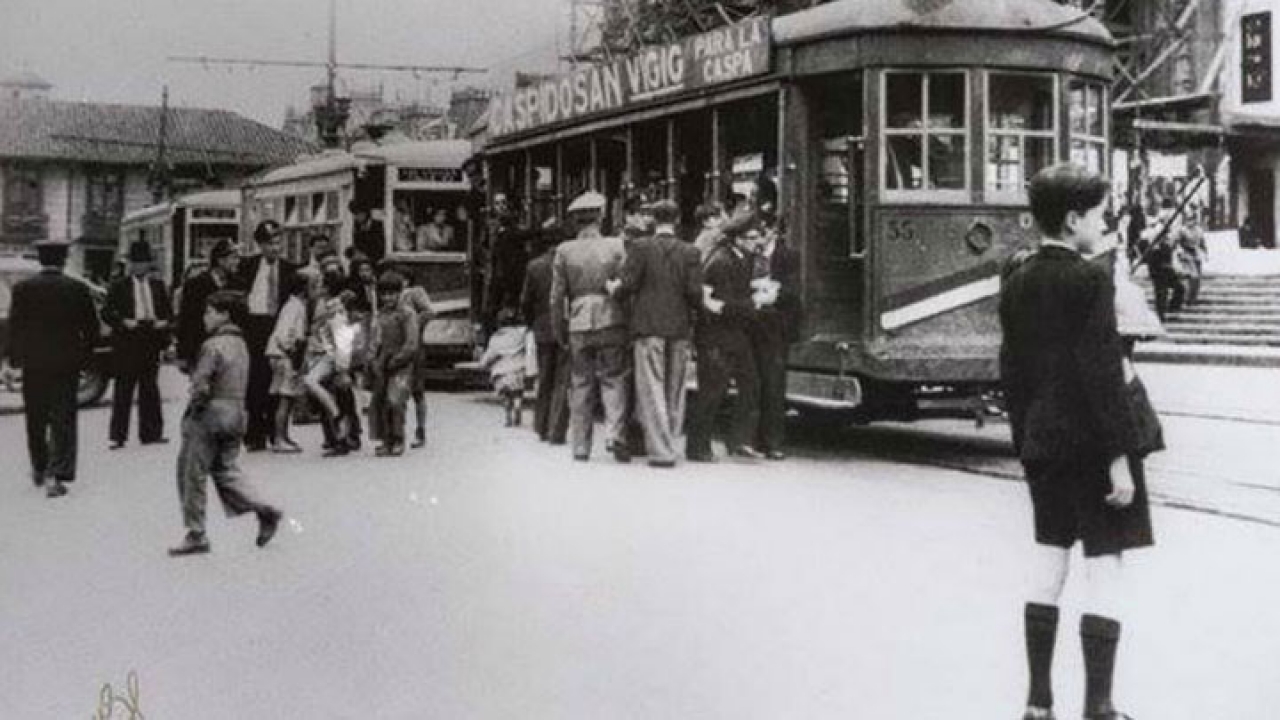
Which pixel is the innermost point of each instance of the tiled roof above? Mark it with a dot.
(127, 134)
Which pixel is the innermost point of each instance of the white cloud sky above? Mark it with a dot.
(116, 51)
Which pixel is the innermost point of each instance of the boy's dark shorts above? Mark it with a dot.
(1068, 499)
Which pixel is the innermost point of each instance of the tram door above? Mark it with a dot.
(837, 254)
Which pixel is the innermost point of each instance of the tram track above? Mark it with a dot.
(1174, 487)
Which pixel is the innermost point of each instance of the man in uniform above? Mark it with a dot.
(263, 278)
(141, 318)
(662, 277)
(597, 328)
(724, 345)
(221, 275)
(52, 330)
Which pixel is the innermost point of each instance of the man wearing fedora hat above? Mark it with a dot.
(141, 319)
(52, 330)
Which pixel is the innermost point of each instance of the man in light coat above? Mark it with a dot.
(596, 325)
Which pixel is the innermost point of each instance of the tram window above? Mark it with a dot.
(428, 222)
(331, 210)
(1087, 108)
(926, 138)
(904, 100)
(1021, 131)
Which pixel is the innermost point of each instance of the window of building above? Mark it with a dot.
(105, 194)
(1022, 126)
(1087, 108)
(926, 135)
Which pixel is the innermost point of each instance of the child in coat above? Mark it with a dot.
(394, 351)
(505, 360)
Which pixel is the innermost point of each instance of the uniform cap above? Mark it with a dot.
(589, 200)
(221, 249)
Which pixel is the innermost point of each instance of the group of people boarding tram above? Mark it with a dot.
(618, 319)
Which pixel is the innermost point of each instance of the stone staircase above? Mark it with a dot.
(1232, 310)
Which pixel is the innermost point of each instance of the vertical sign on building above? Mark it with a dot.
(1255, 58)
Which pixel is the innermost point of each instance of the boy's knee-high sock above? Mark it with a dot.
(1099, 637)
(1041, 629)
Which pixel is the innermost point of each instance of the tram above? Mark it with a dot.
(182, 231)
(419, 197)
(900, 137)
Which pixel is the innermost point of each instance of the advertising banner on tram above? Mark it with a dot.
(730, 53)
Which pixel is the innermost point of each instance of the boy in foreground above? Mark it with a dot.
(1062, 367)
(213, 427)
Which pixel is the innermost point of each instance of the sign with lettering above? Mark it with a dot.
(730, 53)
(431, 175)
(1255, 58)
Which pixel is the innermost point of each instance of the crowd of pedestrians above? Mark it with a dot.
(616, 323)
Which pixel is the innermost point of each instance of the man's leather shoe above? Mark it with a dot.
(621, 453)
(191, 545)
(268, 522)
(336, 450)
(115, 445)
(37, 478)
(662, 463)
(582, 458)
(776, 455)
(57, 489)
(157, 441)
(746, 451)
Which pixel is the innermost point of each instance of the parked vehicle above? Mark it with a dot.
(96, 375)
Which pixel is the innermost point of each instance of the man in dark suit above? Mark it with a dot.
(221, 275)
(53, 327)
(551, 408)
(1063, 372)
(141, 319)
(724, 345)
(263, 278)
(662, 279)
(776, 291)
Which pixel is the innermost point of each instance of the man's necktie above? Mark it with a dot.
(272, 289)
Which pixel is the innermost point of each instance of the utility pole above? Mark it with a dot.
(332, 112)
(159, 179)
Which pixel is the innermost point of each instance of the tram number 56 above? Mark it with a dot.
(900, 231)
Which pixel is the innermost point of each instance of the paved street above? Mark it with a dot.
(490, 577)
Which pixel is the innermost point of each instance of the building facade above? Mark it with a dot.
(72, 170)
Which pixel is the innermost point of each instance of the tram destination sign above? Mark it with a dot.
(730, 53)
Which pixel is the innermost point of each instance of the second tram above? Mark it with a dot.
(417, 201)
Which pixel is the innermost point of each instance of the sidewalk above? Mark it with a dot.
(1226, 257)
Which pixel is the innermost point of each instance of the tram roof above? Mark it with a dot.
(426, 153)
(853, 17)
(204, 198)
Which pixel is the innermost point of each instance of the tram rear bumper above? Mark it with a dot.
(823, 392)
